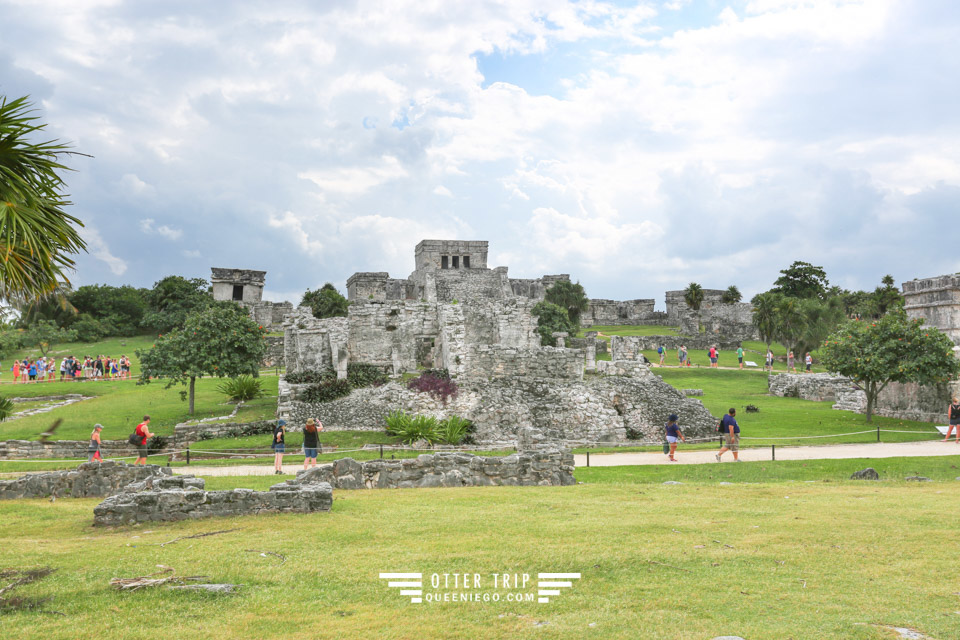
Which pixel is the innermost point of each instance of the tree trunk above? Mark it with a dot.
(193, 382)
(871, 400)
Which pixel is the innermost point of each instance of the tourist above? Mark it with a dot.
(731, 435)
(662, 352)
(680, 354)
(713, 357)
(51, 369)
(98, 367)
(740, 355)
(953, 419)
(113, 369)
(686, 357)
(33, 371)
(673, 432)
(94, 448)
(808, 360)
(769, 360)
(791, 363)
(143, 431)
(16, 370)
(311, 442)
(278, 447)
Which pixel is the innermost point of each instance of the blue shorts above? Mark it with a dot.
(309, 453)
(713, 360)
(672, 439)
(279, 447)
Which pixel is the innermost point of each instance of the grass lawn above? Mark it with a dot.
(113, 347)
(824, 561)
(629, 330)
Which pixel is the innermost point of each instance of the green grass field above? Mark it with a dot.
(112, 347)
(772, 560)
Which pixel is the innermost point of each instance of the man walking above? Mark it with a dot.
(740, 355)
(662, 352)
(143, 431)
(731, 435)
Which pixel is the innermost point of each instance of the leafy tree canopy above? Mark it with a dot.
(37, 236)
(221, 341)
(43, 333)
(552, 318)
(693, 296)
(173, 299)
(571, 297)
(893, 348)
(802, 280)
(326, 302)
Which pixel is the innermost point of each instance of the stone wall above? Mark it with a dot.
(629, 347)
(622, 312)
(550, 467)
(180, 504)
(720, 321)
(269, 314)
(89, 480)
(274, 357)
(27, 449)
(187, 433)
(312, 344)
(936, 300)
(909, 401)
(535, 288)
(495, 362)
(399, 336)
(379, 287)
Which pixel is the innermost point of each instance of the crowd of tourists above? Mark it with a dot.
(45, 369)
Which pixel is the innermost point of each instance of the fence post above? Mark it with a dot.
(588, 458)
(381, 452)
(188, 455)
(773, 452)
(878, 433)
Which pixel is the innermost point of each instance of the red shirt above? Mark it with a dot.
(142, 431)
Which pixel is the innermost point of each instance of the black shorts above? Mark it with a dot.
(142, 450)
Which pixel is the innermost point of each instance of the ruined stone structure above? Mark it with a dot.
(245, 287)
(936, 300)
(908, 401)
(192, 502)
(89, 480)
(544, 467)
(622, 312)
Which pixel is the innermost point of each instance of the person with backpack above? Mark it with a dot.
(94, 448)
(740, 355)
(731, 435)
(714, 357)
(953, 419)
(279, 446)
(673, 433)
(662, 353)
(311, 442)
(139, 439)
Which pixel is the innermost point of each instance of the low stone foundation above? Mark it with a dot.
(183, 504)
(89, 480)
(551, 467)
(30, 449)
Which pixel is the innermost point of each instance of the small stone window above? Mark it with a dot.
(443, 262)
(466, 262)
(456, 262)
(238, 292)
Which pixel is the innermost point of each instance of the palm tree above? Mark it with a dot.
(765, 316)
(731, 295)
(571, 297)
(37, 237)
(693, 296)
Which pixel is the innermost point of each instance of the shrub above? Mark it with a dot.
(397, 421)
(256, 428)
(241, 388)
(443, 374)
(360, 374)
(327, 391)
(455, 430)
(6, 408)
(410, 429)
(310, 377)
(443, 388)
(157, 444)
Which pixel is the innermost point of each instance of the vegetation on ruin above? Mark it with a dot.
(242, 388)
(325, 302)
(411, 428)
(39, 238)
(769, 560)
(891, 349)
(571, 297)
(552, 318)
(436, 382)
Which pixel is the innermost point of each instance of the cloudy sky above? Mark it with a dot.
(636, 146)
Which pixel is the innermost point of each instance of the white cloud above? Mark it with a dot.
(441, 190)
(98, 249)
(147, 226)
(135, 186)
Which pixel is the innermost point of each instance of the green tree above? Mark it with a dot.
(732, 295)
(550, 318)
(326, 302)
(693, 296)
(44, 333)
(893, 348)
(173, 299)
(790, 323)
(120, 310)
(887, 296)
(802, 280)
(37, 237)
(569, 296)
(221, 341)
(765, 317)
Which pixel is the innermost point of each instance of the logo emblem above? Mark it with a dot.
(410, 584)
(549, 584)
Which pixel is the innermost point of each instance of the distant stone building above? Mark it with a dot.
(245, 287)
(936, 300)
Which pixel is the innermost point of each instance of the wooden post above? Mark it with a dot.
(773, 452)
(588, 458)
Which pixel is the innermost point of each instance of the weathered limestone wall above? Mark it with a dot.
(472, 285)
(507, 323)
(179, 504)
(550, 467)
(27, 449)
(535, 288)
(398, 335)
(909, 401)
(186, 433)
(379, 287)
(269, 314)
(495, 362)
(428, 254)
(622, 312)
(274, 357)
(223, 280)
(936, 300)
(676, 305)
(311, 344)
(89, 480)
(726, 321)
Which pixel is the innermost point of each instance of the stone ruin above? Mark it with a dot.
(245, 287)
(937, 301)
(454, 313)
(89, 480)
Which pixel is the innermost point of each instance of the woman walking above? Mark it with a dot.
(279, 446)
(673, 433)
(94, 448)
(16, 370)
(791, 362)
(311, 442)
(953, 419)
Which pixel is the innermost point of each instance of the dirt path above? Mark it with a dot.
(826, 452)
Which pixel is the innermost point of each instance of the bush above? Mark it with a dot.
(455, 430)
(410, 429)
(241, 388)
(443, 388)
(310, 377)
(157, 444)
(361, 375)
(6, 408)
(327, 391)
(256, 428)
(89, 329)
